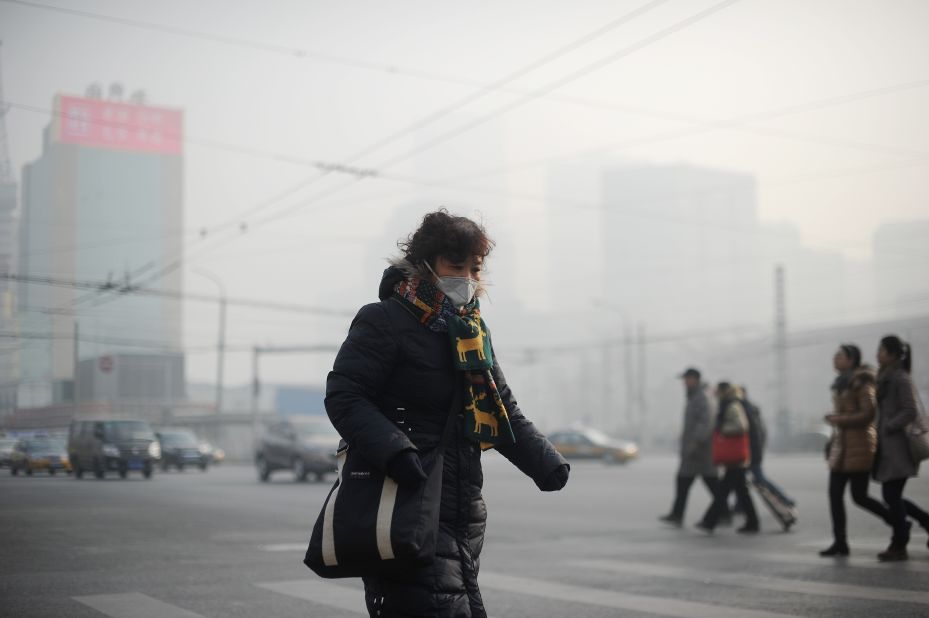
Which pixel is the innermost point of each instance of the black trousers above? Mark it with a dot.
(859, 485)
(917, 513)
(683, 490)
(733, 481)
(893, 496)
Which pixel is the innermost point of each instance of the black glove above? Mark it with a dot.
(405, 468)
(556, 479)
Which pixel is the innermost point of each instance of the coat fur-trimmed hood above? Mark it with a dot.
(863, 375)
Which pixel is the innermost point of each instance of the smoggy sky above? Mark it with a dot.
(823, 101)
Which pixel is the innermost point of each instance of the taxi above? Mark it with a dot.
(47, 454)
(590, 443)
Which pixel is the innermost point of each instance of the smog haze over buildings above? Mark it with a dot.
(643, 167)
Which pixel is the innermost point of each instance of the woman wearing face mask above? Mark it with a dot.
(390, 391)
(893, 465)
(853, 443)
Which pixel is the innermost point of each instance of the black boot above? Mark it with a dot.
(671, 518)
(894, 553)
(838, 548)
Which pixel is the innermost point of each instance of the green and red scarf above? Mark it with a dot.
(485, 418)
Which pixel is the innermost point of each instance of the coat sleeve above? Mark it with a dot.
(360, 372)
(532, 453)
(865, 405)
(906, 402)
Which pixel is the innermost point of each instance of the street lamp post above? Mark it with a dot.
(627, 360)
(221, 342)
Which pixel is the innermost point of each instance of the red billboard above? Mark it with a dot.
(122, 126)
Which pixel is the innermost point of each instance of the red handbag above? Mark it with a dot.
(730, 450)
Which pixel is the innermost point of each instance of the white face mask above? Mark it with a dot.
(460, 290)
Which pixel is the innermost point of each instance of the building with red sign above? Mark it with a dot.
(103, 202)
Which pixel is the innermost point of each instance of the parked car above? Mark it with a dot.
(31, 454)
(590, 443)
(304, 445)
(181, 448)
(6, 450)
(102, 445)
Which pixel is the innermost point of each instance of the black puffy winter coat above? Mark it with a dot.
(390, 390)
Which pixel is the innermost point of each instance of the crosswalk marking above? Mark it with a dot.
(616, 600)
(300, 547)
(331, 595)
(324, 593)
(134, 605)
(858, 562)
(775, 584)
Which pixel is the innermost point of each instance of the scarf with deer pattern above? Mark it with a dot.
(485, 418)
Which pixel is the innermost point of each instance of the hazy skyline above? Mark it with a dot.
(822, 102)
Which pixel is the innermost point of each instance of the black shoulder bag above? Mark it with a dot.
(370, 525)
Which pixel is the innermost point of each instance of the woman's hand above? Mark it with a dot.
(557, 479)
(406, 469)
(831, 418)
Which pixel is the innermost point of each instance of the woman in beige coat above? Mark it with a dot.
(853, 443)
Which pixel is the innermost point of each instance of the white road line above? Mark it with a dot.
(616, 600)
(858, 562)
(134, 605)
(330, 595)
(775, 584)
(301, 547)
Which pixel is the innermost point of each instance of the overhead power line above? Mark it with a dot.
(125, 289)
(429, 119)
(551, 86)
(563, 81)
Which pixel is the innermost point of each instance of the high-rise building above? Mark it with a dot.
(103, 202)
(901, 255)
(9, 345)
(9, 348)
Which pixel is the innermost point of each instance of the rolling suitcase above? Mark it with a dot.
(783, 513)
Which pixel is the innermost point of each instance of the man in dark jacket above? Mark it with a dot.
(696, 446)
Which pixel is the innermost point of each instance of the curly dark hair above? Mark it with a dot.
(442, 234)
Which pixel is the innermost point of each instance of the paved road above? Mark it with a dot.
(220, 544)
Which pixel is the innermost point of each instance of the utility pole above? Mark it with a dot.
(221, 340)
(256, 389)
(642, 404)
(607, 372)
(629, 375)
(75, 393)
(780, 357)
(220, 354)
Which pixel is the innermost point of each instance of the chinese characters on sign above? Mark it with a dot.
(124, 126)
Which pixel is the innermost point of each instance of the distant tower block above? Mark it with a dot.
(780, 357)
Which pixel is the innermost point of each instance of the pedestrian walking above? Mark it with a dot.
(851, 448)
(696, 446)
(893, 464)
(389, 394)
(731, 422)
(782, 506)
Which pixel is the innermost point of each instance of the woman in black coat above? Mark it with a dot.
(390, 392)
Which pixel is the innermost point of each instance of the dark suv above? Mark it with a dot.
(180, 448)
(305, 445)
(102, 445)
